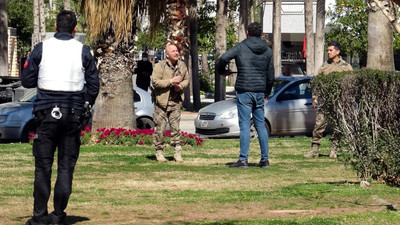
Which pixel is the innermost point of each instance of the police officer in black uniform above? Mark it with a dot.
(65, 74)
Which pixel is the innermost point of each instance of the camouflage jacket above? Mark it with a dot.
(330, 67)
(339, 66)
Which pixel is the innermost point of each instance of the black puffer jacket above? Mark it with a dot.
(254, 63)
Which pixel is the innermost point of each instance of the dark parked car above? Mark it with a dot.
(17, 121)
(288, 112)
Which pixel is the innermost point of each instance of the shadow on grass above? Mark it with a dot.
(75, 219)
(153, 158)
(229, 164)
(68, 219)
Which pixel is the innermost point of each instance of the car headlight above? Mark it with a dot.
(3, 118)
(232, 113)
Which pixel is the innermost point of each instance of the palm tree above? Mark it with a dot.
(111, 25)
(3, 39)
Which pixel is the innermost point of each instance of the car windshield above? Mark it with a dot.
(28, 97)
(278, 84)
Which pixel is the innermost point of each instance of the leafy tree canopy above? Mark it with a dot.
(349, 26)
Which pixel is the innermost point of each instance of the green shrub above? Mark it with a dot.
(364, 107)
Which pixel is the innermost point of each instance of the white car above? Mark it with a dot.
(288, 112)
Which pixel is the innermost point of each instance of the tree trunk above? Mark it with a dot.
(36, 21)
(308, 16)
(277, 41)
(114, 104)
(320, 35)
(67, 4)
(220, 45)
(3, 39)
(194, 53)
(380, 41)
(205, 68)
(243, 18)
(42, 21)
(251, 6)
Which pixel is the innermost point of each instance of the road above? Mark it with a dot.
(187, 122)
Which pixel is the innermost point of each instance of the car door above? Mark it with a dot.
(294, 112)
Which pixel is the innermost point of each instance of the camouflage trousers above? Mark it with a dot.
(320, 125)
(161, 116)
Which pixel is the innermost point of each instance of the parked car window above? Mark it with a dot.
(136, 98)
(278, 84)
(296, 91)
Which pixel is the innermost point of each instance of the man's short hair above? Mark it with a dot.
(66, 21)
(335, 45)
(254, 29)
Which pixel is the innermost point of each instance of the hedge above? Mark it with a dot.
(364, 108)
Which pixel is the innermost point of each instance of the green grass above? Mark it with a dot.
(125, 185)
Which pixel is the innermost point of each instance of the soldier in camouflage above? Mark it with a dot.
(335, 63)
(169, 79)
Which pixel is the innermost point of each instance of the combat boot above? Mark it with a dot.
(332, 153)
(313, 152)
(178, 153)
(160, 156)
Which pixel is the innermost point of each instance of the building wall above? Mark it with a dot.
(292, 18)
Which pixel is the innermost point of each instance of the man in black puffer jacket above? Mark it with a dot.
(253, 85)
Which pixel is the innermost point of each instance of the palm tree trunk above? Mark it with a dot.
(114, 104)
(380, 41)
(308, 16)
(277, 45)
(320, 35)
(194, 55)
(220, 45)
(3, 39)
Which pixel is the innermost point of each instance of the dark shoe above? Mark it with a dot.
(240, 164)
(264, 164)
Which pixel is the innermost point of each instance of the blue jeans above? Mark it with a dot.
(252, 103)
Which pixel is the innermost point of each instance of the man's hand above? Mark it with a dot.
(314, 103)
(227, 73)
(176, 80)
(266, 99)
(177, 88)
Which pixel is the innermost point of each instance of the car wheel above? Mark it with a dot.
(29, 128)
(253, 130)
(145, 123)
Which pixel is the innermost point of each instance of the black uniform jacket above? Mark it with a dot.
(48, 99)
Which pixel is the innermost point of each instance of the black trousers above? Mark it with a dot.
(51, 133)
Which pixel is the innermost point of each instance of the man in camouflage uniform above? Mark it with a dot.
(335, 63)
(169, 79)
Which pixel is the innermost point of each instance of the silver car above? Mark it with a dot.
(288, 112)
(17, 121)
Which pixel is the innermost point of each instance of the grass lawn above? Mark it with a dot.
(125, 185)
